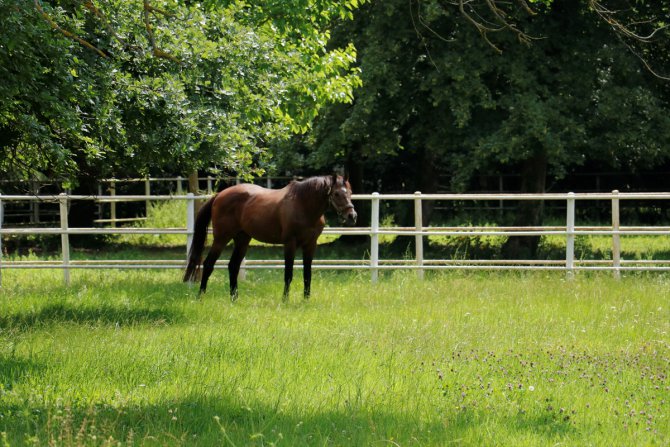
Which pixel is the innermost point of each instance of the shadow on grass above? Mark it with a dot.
(99, 315)
(206, 421)
(12, 370)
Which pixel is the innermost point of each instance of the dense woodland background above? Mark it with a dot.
(549, 95)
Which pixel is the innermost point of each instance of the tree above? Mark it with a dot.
(437, 97)
(577, 95)
(125, 88)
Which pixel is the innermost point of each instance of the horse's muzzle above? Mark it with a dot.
(350, 218)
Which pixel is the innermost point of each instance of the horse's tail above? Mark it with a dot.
(198, 242)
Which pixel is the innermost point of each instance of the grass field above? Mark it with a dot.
(133, 358)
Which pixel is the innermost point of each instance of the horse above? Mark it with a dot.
(292, 216)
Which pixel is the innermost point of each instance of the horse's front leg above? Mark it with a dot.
(241, 244)
(289, 257)
(208, 266)
(307, 257)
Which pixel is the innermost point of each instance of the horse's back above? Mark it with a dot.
(249, 208)
(237, 195)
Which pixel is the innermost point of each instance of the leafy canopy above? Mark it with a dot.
(111, 87)
(435, 91)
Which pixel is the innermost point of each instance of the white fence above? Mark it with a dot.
(36, 214)
(374, 264)
(147, 181)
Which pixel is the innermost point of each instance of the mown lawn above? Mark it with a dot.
(133, 358)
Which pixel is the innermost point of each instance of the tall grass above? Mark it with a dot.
(165, 214)
(133, 358)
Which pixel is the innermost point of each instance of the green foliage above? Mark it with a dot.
(438, 98)
(189, 86)
(25, 128)
(132, 358)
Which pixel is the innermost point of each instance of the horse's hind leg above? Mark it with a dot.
(208, 266)
(241, 244)
(289, 258)
(307, 257)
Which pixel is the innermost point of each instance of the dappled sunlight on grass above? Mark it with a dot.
(507, 358)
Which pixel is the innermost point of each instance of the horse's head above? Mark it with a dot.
(340, 198)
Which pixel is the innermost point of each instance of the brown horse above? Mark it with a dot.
(292, 216)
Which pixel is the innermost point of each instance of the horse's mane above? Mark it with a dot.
(308, 187)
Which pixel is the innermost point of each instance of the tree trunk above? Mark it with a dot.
(194, 187)
(425, 180)
(529, 213)
(428, 183)
(82, 212)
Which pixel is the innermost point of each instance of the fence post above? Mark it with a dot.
(209, 184)
(2, 216)
(190, 221)
(180, 191)
(35, 204)
(570, 235)
(64, 237)
(242, 275)
(112, 192)
(100, 216)
(501, 190)
(374, 238)
(147, 192)
(616, 239)
(418, 223)
(269, 182)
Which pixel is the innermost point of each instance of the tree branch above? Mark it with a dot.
(155, 10)
(88, 4)
(501, 20)
(500, 16)
(67, 33)
(157, 52)
(526, 7)
(609, 17)
(624, 32)
(148, 10)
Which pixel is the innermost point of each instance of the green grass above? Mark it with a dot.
(133, 358)
(587, 247)
(167, 214)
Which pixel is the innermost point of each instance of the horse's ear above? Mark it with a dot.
(334, 178)
(346, 176)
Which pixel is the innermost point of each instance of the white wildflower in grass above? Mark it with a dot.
(531, 388)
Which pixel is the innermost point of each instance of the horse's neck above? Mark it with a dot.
(314, 197)
(320, 207)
